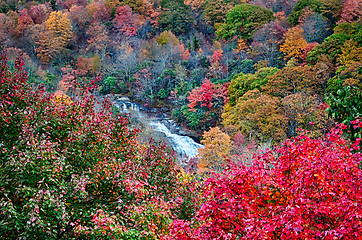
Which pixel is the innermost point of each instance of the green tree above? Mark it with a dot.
(256, 115)
(215, 10)
(330, 9)
(332, 45)
(242, 83)
(243, 20)
(176, 17)
(344, 94)
(109, 84)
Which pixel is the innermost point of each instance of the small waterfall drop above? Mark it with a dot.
(183, 145)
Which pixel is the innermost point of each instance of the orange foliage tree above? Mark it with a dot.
(56, 34)
(217, 147)
(294, 43)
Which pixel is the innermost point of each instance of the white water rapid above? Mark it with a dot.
(183, 145)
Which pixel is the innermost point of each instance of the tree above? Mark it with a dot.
(294, 43)
(7, 29)
(290, 80)
(315, 28)
(145, 83)
(71, 170)
(304, 111)
(266, 42)
(127, 62)
(244, 150)
(39, 13)
(332, 45)
(344, 90)
(217, 148)
(59, 26)
(204, 105)
(241, 83)
(351, 53)
(124, 22)
(217, 69)
(243, 20)
(241, 47)
(55, 36)
(142, 7)
(86, 66)
(208, 95)
(176, 17)
(196, 5)
(306, 50)
(24, 22)
(215, 10)
(285, 6)
(330, 9)
(99, 12)
(167, 37)
(307, 188)
(67, 4)
(256, 115)
(98, 40)
(80, 19)
(351, 12)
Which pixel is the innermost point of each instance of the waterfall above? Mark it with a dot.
(184, 146)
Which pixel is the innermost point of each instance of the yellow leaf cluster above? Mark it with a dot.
(350, 53)
(58, 24)
(56, 35)
(241, 46)
(294, 43)
(217, 146)
(195, 4)
(60, 97)
(167, 37)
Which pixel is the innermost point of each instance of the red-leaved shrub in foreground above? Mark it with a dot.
(306, 189)
(71, 171)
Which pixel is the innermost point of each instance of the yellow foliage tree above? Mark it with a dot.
(350, 53)
(294, 43)
(256, 115)
(167, 37)
(241, 47)
(217, 146)
(59, 25)
(56, 35)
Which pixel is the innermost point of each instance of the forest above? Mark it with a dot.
(271, 88)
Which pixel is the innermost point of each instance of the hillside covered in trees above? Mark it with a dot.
(272, 87)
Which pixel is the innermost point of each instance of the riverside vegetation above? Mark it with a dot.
(272, 87)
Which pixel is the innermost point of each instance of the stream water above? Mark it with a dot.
(183, 145)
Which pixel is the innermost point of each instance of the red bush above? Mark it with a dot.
(307, 189)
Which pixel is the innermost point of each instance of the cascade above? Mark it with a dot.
(183, 145)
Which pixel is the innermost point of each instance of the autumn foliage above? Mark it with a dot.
(306, 189)
(208, 95)
(69, 170)
(55, 36)
(294, 43)
(259, 83)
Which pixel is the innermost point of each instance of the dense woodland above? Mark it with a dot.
(272, 87)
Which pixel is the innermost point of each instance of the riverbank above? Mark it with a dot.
(158, 124)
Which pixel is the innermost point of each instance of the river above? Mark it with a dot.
(183, 145)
